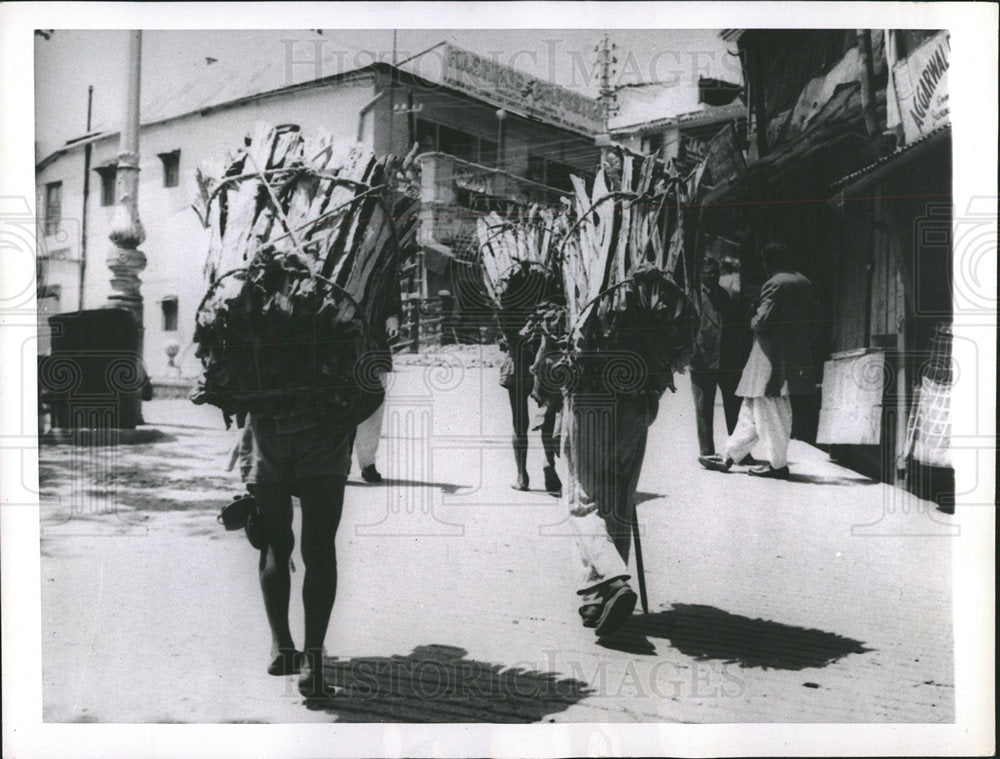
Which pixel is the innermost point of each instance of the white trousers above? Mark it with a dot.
(768, 420)
(605, 445)
(368, 433)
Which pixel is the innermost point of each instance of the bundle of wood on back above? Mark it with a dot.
(517, 263)
(304, 237)
(628, 325)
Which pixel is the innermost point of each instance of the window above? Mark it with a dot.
(171, 168)
(460, 144)
(557, 175)
(169, 306)
(653, 144)
(108, 176)
(53, 207)
(488, 152)
(426, 136)
(536, 168)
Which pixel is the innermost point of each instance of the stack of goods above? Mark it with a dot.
(305, 235)
(517, 265)
(629, 326)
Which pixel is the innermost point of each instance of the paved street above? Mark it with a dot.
(823, 599)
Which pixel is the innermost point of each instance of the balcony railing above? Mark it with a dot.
(444, 177)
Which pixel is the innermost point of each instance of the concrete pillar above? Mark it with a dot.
(125, 259)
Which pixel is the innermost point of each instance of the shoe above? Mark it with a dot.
(234, 515)
(618, 606)
(590, 613)
(370, 474)
(552, 482)
(521, 483)
(766, 470)
(715, 462)
(286, 663)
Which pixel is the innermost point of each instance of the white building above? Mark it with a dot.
(676, 122)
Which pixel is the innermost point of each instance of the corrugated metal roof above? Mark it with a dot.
(705, 114)
(894, 155)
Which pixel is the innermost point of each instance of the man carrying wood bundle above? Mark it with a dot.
(522, 347)
(628, 327)
(779, 366)
(305, 235)
(520, 280)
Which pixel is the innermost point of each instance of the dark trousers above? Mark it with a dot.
(703, 384)
(518, 397)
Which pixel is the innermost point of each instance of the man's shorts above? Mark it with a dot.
(284, 451)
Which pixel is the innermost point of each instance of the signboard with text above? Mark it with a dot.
(508, 87)
(921, 81)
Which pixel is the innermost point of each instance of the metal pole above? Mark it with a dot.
(640, 571)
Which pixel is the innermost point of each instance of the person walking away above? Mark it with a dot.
(605, 446)
(517, 377)
(718, 357)
(606, 428)
(367, 436)
(308, 456)
(779, 366)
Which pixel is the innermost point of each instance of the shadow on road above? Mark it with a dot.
(436, 683)
(445, 487)
(642, 497)
(812, 479)
(704, 632)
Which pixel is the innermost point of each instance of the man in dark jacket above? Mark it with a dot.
(719, 354)
(779, 366)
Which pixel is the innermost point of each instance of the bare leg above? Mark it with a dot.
(322, 505)
(519, 415)
(275, 504)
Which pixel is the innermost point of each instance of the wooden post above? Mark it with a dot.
(757, 97)
(639, 569)
(867, 82)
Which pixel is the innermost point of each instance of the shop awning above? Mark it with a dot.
(840, 119)
(856, 181)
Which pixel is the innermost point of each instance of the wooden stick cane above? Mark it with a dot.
(638, 561)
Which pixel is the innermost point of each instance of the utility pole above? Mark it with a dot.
(126, 260)
(606, 61)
